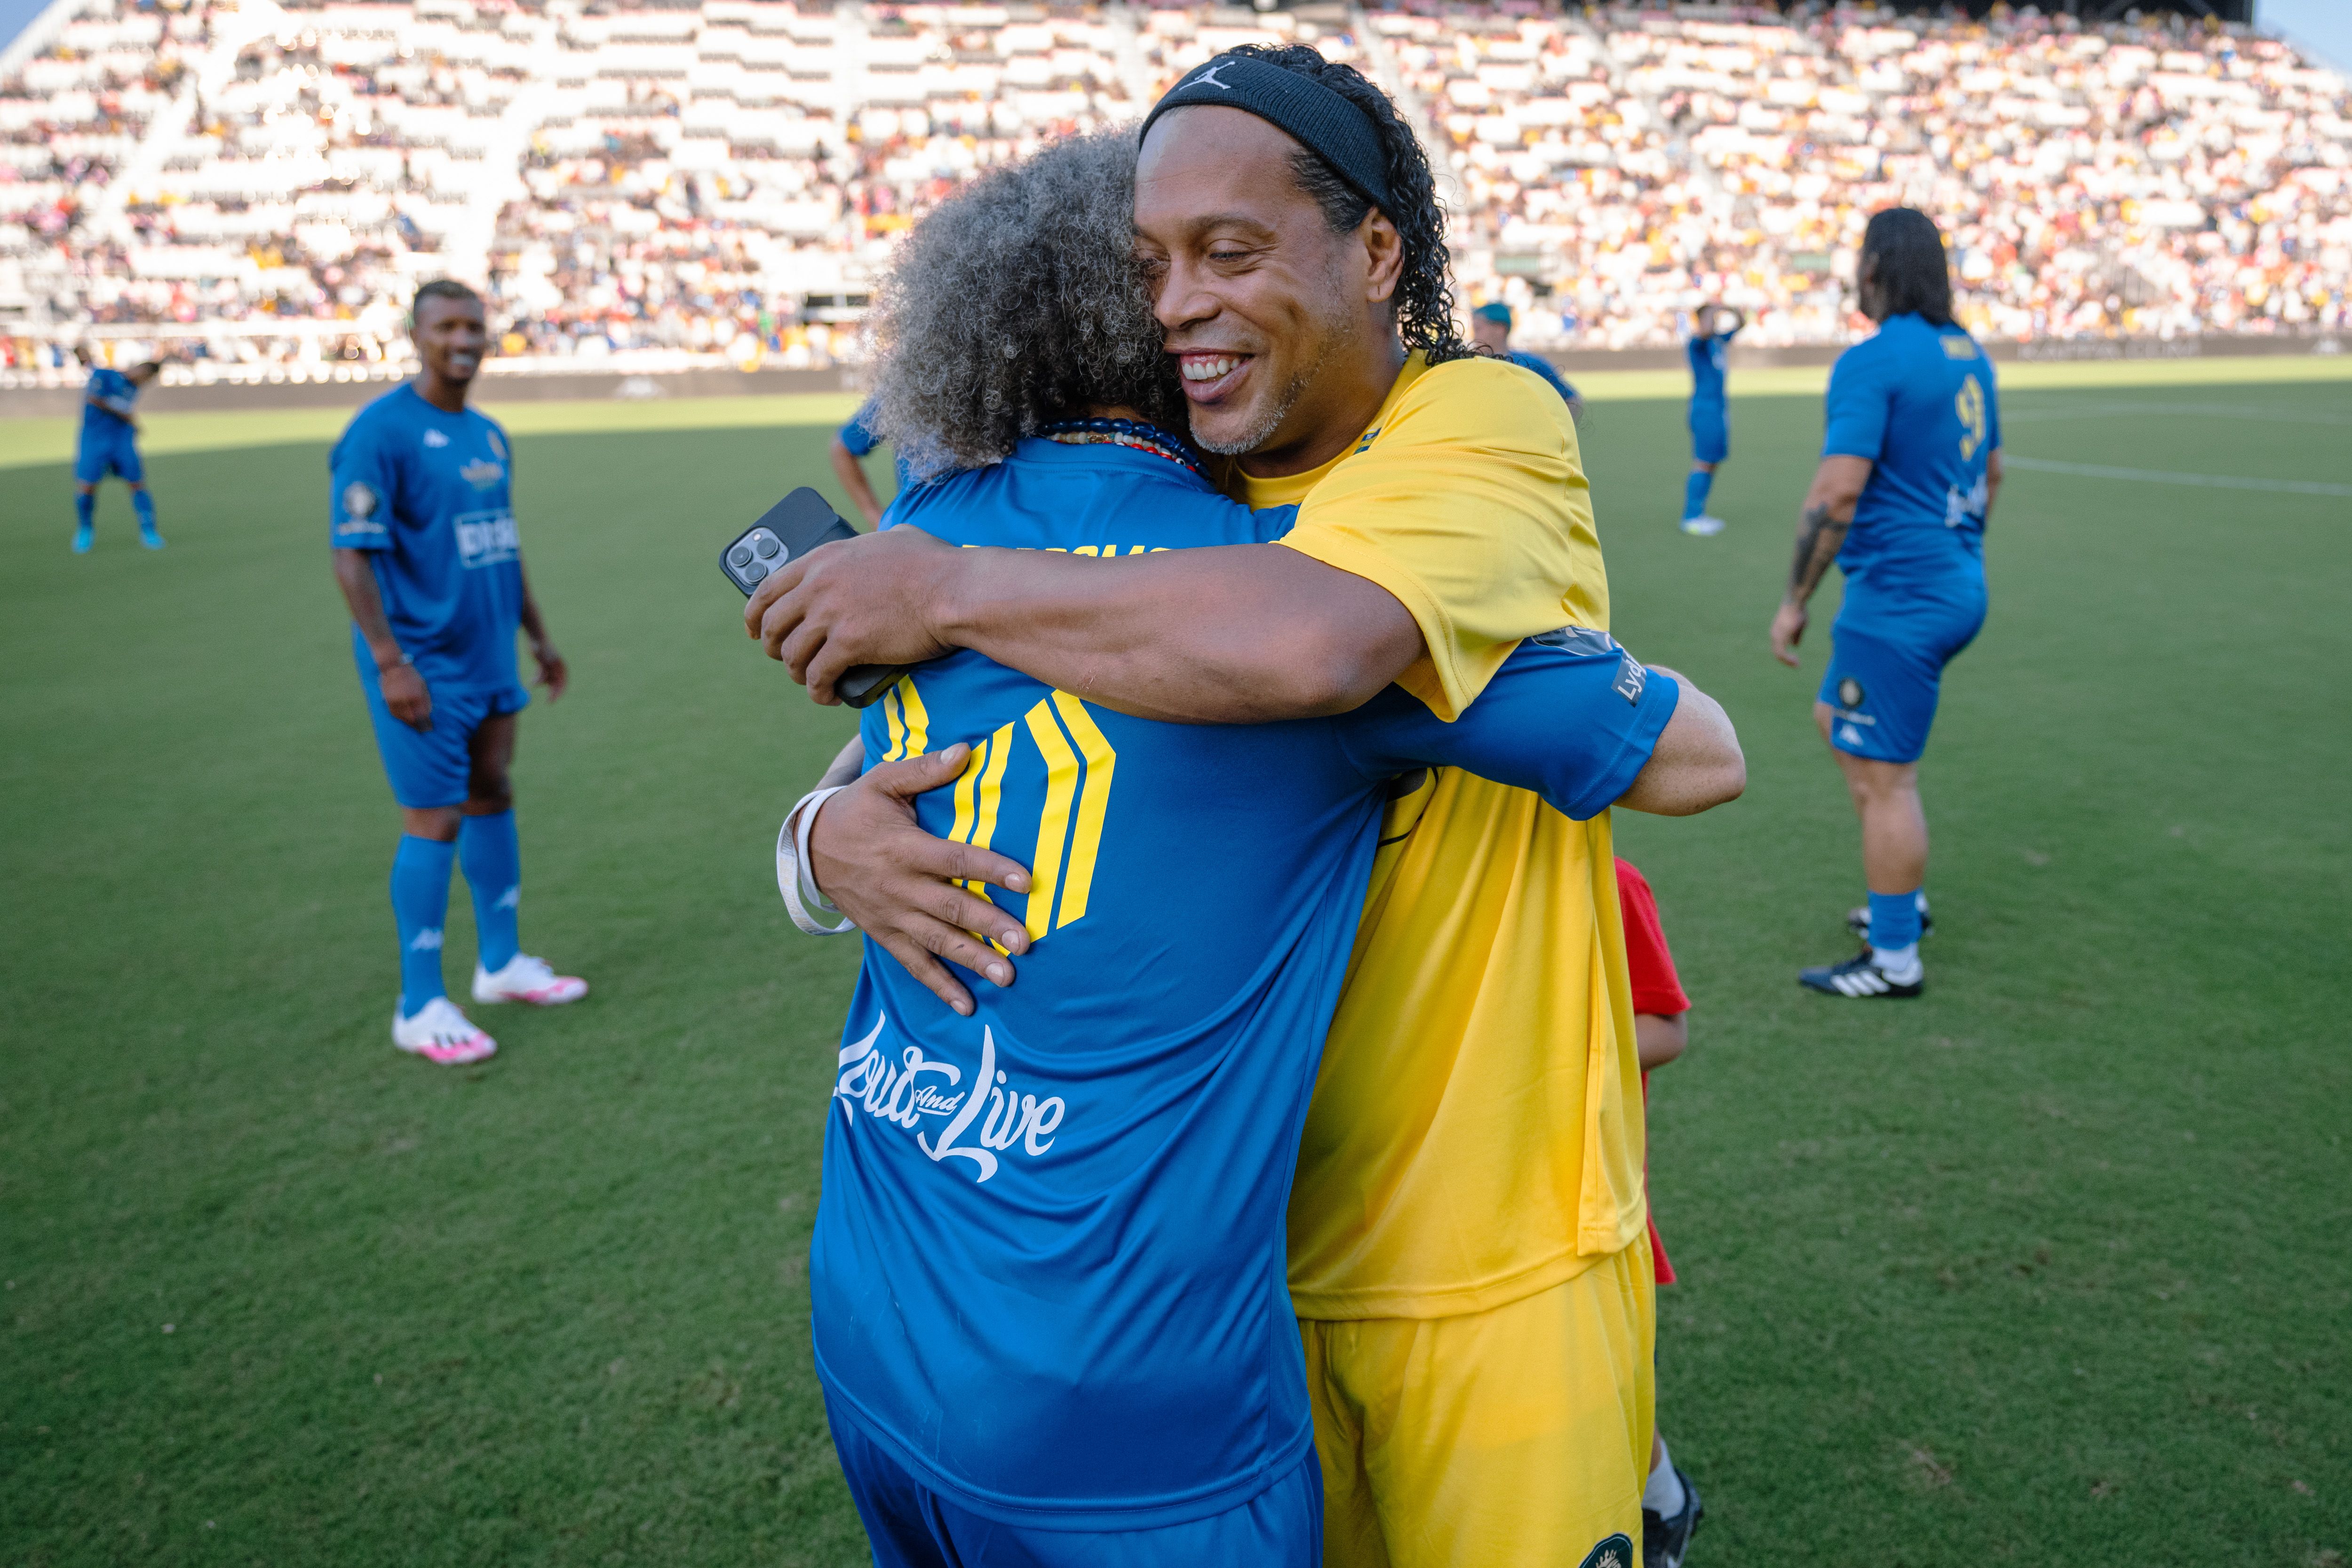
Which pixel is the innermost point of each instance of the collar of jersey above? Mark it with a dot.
(1289, 489)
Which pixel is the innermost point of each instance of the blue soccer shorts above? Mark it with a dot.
(1710, 428)
(432, 767)
(98, 456)
(1884, 677)
(910, 1525)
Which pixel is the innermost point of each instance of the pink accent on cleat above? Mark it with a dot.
(528, 979)
(442, 1035)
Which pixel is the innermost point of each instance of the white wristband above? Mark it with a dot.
(792, 878)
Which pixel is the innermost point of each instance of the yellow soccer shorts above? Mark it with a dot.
(1517, 1437)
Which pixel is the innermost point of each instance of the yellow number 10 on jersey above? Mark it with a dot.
(1078, 763)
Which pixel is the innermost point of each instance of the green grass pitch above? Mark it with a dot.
(2049, 1266)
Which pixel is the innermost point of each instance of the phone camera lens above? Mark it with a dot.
(767, 545)
(754, 572)
(739, 555)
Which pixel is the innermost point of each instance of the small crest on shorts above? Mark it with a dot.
(1616, 1552)
(1849, 692)
(358, 499)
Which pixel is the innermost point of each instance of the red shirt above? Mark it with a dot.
(1657, 987)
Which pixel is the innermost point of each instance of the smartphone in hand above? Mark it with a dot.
(786, 531)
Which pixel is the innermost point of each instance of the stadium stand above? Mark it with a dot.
(256, 187)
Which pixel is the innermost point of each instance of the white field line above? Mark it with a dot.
(2159, 477)
(2039, 412)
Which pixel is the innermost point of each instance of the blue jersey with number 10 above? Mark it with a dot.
(1048, 1268)
(1917, 401)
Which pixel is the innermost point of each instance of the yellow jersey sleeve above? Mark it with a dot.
(1468, 503)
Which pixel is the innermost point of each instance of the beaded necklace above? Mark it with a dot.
(1124, 433)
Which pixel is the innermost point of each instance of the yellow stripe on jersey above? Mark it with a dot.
(967, 785)
(992, 785)
(1053, 826)
(1093, 801)
(918, 718)
(897, 747)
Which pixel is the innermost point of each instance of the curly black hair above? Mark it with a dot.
(1424, 295)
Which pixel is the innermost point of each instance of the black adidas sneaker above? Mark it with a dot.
(1664, 1539)
(1857, 920)
(1860, 977)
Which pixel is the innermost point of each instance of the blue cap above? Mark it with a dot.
(1494, 311)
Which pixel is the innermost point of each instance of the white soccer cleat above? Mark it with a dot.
(439, 1033)
(528, 979)
(1703, 527)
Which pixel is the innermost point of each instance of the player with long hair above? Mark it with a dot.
(1910, 465)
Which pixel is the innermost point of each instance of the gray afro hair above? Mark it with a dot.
(1017, 301)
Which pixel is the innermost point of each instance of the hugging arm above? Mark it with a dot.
(1238, 634)
(1584, 726)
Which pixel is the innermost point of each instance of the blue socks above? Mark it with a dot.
(420, 907)
(85, 509)
(488, 850)
(1893, 921)
(1695, 491)
(144, 503)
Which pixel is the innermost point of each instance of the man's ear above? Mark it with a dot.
(1383, 256)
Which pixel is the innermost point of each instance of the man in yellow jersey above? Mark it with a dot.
(1468, 1257)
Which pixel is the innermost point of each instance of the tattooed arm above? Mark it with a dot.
(1821, 530)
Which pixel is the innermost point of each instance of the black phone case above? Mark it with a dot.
(786, 531)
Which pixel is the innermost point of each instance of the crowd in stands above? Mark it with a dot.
(255, 185)
(2141, 178)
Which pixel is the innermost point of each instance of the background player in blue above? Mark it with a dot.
(110, 444)
(427, 554)
(1490, 329)
(1049, 1304)
(1910, 463)
(1709, 350)
(851, 446)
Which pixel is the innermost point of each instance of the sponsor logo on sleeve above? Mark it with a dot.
(359, 510)
(1633, 676)
(497, 446)
(486, 537)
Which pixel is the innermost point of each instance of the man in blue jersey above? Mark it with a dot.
(1490, 329)
(1048, 1284)
(1709, 350)
(1910, 464)
(422, 521)
(852, 444)
(110, 445)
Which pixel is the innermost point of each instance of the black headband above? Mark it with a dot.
(1324, 122)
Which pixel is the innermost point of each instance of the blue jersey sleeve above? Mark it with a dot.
(856, 436)
(1570, 715)
(1543, 367)
(1857, 405)
(364, 485)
